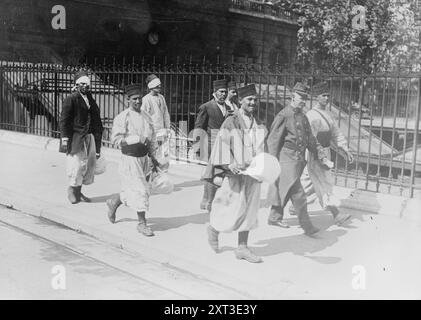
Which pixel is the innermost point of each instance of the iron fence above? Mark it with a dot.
(379, 113)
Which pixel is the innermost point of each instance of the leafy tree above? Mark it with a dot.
(344, 34)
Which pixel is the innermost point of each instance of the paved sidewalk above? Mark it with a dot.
(295, 266)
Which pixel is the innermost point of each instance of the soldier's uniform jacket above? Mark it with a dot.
(77, 120)
(289, 137)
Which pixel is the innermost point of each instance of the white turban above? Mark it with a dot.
(154, 83)
(84, 79)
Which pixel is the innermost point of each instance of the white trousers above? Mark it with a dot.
(80, 166)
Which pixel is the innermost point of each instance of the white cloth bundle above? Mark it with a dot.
(100, 165)
(264, 167)
(161, 183)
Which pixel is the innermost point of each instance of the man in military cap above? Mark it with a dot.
(209, 119)
(289, 137)
(317, 178)
(237, 201)
(81, 135)
(134, 133)
(154, 103)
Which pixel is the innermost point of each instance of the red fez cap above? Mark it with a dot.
(232, 85)
(219, 84)
(132, 89)
(248, 90)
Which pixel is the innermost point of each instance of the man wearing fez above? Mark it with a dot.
(154, 104)
(289, 137)
(237, 201)
(209, 119)
(317, 178)
(134, 133)
(81, 134)
(232, 98)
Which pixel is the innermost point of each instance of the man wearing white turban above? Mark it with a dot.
(154, 103)
(81, 134)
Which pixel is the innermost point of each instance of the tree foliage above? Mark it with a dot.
(382, 36)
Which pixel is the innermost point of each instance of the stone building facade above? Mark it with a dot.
(234, 30)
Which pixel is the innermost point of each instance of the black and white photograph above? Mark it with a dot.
(231, 151)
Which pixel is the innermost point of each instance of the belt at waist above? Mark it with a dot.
(293, 146)
(136, 150)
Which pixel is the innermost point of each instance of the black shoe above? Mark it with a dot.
(72, 195)
(311, 230)
(113, 204)
(278, 223)
(341, 218)
(81, 196)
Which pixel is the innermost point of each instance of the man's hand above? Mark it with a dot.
(155, 164)
(97, 155)
(123, 143)
(234, 168)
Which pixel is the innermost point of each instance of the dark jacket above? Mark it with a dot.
(76, 121)
(210, 119)
(290, 135)
(209, 116)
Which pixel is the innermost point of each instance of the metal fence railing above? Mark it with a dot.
(379, 113)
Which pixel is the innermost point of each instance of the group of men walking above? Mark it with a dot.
(140, 131)
(234, 137)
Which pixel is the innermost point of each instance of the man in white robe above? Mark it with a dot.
(134, 133)
(237, 201)
(154, 103)
(317, 178)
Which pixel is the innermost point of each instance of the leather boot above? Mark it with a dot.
(72, 195)
(276, 216)
(305, 223)
(339, 217)
(81, 196)
(113, 203)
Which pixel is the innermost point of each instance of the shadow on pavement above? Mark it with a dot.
(301, 245)
(186, 184)
(102, 198)
(162, 224)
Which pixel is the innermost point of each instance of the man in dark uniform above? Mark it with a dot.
(289, 137)
(81, 134)
(232, 97)
(209, 119)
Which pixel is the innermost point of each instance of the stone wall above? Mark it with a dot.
(105, 28)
